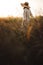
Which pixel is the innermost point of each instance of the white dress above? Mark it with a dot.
(26, 14)
(26, 18)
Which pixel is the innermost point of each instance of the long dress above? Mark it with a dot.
(26, 19)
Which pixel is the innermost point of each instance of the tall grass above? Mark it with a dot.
(17, 48)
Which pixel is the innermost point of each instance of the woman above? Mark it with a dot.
(26, 16)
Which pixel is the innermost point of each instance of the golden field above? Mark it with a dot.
(17, 49)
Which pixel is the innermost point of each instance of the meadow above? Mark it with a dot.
(18, 48)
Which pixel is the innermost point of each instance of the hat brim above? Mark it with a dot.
(23, 5)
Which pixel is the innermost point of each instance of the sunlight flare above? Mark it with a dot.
(13, 7)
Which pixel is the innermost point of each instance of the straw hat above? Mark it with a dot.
(26, 4)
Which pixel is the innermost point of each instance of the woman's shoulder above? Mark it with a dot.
(26, 9)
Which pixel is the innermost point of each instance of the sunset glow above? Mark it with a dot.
(13, 7)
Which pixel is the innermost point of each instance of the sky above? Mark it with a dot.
(13, 7)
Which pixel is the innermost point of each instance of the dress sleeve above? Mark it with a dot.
(31, 13)
(24, 14)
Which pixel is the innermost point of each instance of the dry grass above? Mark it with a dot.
(17, 49)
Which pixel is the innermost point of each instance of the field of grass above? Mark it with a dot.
(17, 48)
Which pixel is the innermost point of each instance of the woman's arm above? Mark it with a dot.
(25, 15)
(31, 13)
